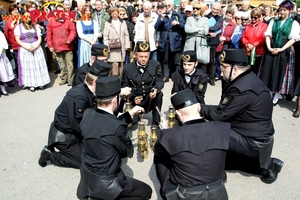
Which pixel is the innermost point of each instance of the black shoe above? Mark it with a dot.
(296, 115)
(44, 156)
(57, 71)
(70, 84)
(276, 166)
(5, 94)
(211, 82)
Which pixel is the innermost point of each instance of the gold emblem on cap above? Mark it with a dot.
(200, 86)
(225, 100)
(105, 52)
(144, 46)
(185, 57)
(222, 56)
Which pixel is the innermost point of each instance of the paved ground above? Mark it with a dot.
(25, 118)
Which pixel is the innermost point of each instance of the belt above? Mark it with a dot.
(205, 187)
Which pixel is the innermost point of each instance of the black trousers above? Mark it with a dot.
(169, 60)
(67, 156)
(135, 190)
(210, 68)
(243, 154)
(150, 104)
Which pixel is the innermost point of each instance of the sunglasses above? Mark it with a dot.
(254, 17)
(196, 8)
(237, 18)
(244, 19)
(121, 14)
(168, 5)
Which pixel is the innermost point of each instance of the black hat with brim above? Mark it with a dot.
(183, 98)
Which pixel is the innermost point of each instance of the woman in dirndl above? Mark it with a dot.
(33, 72)
(87, 30)
(6, 73)
(281, 34)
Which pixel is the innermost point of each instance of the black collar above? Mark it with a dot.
(195, 121)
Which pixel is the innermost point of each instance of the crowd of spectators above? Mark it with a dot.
(63, 44)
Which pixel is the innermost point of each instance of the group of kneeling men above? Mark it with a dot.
(89, 132)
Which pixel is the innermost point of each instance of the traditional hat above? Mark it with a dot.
(160, 5)
(99, 50)
(100, 68)
(183, 98)
(234, 56)
(189, 56)
(108, 87)
(142, 46)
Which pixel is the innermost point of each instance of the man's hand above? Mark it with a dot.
(163, 124)
(174, 23)
(212, 34)
(125, 91)
(136, 110)
(153, 93)
(138, 100)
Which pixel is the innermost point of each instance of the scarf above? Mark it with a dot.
(281, 32)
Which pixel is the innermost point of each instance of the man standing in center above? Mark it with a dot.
(145, 78)
(144, 29)
(171, 27)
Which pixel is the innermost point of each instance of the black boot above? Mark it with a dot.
(275, 168)
(44, 156)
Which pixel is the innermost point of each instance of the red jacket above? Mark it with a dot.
(254, 34)
(58, 33)
(10, 35)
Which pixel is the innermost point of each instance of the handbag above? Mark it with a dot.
(114, 43)
(203, 52)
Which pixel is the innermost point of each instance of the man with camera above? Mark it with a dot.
(171, 27)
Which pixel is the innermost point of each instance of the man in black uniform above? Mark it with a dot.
(145, 78)
(105, 146)
(98, 52)
(190, 77)
(65, 133)
(246, 103)
(190, 159)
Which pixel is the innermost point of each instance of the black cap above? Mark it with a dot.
(142, 46)
(100, 68)
(108, 87)
(234, 56)
(183, 98)
(189, 56)
(99, 50)
(160, 5)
